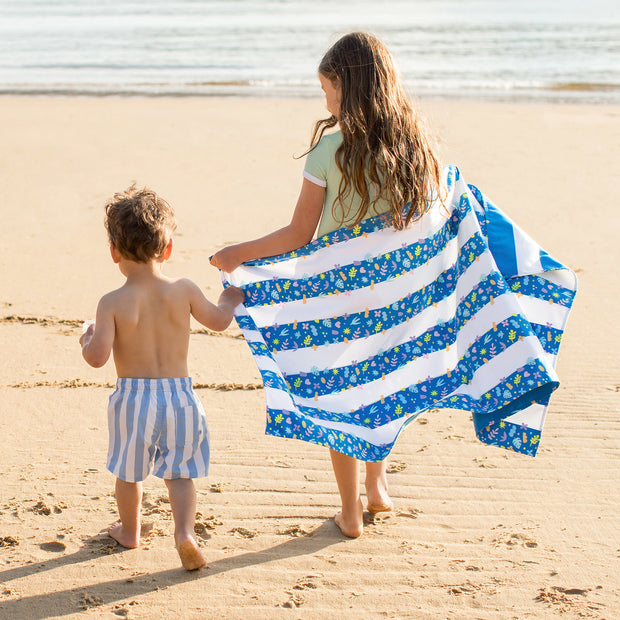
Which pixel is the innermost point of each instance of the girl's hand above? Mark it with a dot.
(227, 259)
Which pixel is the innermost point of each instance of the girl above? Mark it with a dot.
(377, 161)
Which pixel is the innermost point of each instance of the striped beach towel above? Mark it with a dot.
(361, 330)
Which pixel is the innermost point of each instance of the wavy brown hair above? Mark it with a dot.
(385, 152)
(139, 223)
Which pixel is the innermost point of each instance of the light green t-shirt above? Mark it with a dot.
(322, 170)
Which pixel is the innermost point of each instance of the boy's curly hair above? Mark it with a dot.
(139, 224)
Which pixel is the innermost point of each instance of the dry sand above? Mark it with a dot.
(477, 532)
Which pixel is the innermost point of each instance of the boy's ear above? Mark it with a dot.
(116, 255)
(167, 252)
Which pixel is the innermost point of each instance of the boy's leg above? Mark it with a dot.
(377, 487)
(346, 469)
(183, 503)
(128, 499)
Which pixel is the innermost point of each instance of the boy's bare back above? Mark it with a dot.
(152, 326)
(146, 322)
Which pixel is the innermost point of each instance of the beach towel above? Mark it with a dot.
(362, 330)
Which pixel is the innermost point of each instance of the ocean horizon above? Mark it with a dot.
(492, 50)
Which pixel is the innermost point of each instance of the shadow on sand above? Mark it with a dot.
(67, 601)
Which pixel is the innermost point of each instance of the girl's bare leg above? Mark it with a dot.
(183, 503)
(346, 470)
(377, 487)
(128, 499)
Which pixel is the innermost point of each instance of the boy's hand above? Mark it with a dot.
(87, 333)
(98, 335)
(232, 294)
(227, 259)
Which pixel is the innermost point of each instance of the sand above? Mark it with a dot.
(476, 532)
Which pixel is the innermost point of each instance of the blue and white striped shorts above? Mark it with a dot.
(158, 426)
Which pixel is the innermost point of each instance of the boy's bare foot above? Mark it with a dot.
(191, 557)
(122, 538)
(351, 528)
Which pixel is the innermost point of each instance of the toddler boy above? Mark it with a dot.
(156, 422)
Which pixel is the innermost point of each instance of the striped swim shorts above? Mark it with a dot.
(158, 426)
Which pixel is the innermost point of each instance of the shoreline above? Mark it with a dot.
(562, 93)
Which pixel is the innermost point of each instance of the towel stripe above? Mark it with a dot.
(361, 330)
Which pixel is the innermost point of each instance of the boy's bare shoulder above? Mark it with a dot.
(113, 299)
(185, 288)
(183, 284)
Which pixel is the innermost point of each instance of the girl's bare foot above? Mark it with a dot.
(377, 488)
(123, 538)
(353, 528)
(191, 557)
(378, 500)
(375, 508)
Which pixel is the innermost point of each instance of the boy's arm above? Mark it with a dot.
(98, 339)
(215, 317)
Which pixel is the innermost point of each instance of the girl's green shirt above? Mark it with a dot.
(321, 169)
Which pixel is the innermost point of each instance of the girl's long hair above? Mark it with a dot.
(384, 153)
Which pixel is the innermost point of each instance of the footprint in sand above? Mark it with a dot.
(304, 583)
(122, 610)
(41, 508)
(293, 602)
(515, 540)
(7, 594)
(243, 532)
(482, 462)
(566, 600)
(307, 583)
(204, 524)
(294, 530)
(490, 588)
(8, 541)
(376, 519)
(149, 538)
(396, 466)
(87, 601)
(159, 506)
(411, 513)
(464, 588)
(102, 544)
(276, 462)
(54, 546)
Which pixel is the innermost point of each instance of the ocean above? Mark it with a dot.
(500, 50)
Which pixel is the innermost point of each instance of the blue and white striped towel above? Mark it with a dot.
(360, 331)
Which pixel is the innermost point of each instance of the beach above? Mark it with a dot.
(476, 532)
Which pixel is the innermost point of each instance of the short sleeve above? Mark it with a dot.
(317, 163)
